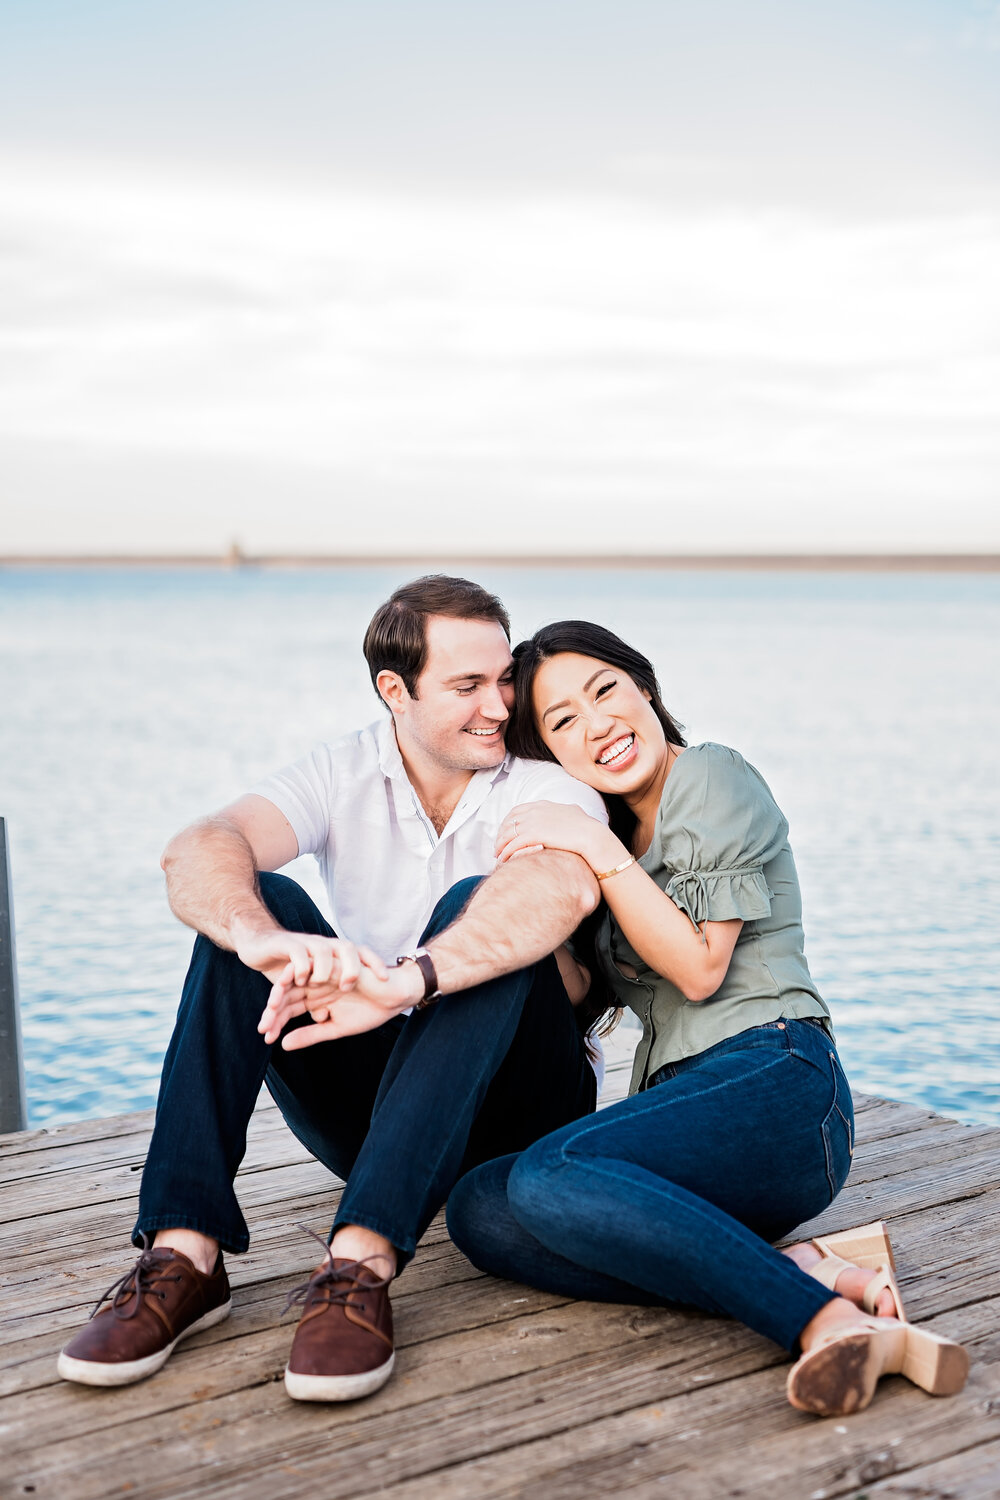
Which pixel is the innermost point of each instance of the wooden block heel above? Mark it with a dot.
(937, 1365)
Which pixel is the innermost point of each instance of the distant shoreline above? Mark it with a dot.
(864, 562)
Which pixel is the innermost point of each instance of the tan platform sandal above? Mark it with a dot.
(867, 1247)
(829, 1269)
(839, 1375)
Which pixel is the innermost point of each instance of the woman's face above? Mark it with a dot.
(599, 725)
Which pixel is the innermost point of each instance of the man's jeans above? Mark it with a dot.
(674, 1194)
(399, 1113)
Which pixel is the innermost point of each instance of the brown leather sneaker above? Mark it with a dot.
(161, 1300)
(343, 1345)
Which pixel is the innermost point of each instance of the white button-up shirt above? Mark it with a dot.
(384, 867)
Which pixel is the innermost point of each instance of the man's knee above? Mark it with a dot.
(451, 905)
(288, 904)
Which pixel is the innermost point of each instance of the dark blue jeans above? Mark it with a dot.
(674, 1194)
(399, 1113)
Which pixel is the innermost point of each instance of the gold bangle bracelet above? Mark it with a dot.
(617, 869)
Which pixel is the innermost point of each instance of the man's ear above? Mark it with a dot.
(392, 690)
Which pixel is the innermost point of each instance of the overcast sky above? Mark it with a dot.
(574, 277)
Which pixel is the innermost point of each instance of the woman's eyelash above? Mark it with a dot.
(604, 688)
(561, 722)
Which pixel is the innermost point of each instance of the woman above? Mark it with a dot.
(739, 1124)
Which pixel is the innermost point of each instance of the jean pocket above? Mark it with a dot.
(837, 1129)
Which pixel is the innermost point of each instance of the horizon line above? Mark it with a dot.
(235, 557)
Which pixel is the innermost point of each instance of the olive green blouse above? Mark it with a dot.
(719, 850)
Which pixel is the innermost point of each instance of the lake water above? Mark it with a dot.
(134, 700)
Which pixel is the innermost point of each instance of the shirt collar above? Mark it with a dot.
(390, 761)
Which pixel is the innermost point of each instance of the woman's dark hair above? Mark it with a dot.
(585, 639)
(524, 739)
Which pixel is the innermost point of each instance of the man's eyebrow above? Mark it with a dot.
(586, 688)
(473, 676)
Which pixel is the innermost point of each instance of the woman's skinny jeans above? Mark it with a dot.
(674, 1194)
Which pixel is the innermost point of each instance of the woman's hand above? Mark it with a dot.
(558, 825)
(293, 996)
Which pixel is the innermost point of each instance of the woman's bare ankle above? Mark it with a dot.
(201, 1250)
(840, 1313)
(851, 1282)
(804, 1255)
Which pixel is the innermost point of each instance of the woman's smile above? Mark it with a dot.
(620, 753)
(600, 725)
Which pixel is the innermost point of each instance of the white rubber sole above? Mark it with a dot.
(94, 1372)
(337, 1387)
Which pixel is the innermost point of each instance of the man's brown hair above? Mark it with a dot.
(396, 639)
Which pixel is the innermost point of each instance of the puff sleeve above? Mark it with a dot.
(719, 827)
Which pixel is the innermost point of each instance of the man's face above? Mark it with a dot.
(464, 697)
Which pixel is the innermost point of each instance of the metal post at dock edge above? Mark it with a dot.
(13, 1108)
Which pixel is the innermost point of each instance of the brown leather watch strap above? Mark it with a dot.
(425, 964)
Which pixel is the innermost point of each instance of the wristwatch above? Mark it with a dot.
(425, 964)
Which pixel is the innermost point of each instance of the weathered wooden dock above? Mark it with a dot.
(499, 1390)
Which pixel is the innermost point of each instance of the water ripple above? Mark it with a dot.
(134, 700)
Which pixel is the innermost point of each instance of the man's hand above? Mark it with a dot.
(310, 960)
(374, 997)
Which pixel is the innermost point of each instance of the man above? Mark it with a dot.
(408, 1089)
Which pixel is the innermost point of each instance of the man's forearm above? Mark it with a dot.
(522, 912)
(212, 882)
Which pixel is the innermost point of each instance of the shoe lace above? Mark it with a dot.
(334, 1284)
(139, 1281)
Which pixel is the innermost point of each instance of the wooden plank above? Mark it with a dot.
(700, 1337)
(258, 1423)
(129, 1147)
(937, 1272)
(55, 1136)
(971, 1474)
(636, 1407)
(500, 1390)
(947, 1157)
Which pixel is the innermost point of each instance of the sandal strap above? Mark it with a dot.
(829, 1268)
(883, 1281)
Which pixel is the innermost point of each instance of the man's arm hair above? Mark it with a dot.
(523, 911)
(211, 869)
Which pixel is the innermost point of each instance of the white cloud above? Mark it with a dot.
(721, 380)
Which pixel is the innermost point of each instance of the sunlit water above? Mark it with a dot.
(133, 700)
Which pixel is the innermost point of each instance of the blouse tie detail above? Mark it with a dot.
(719, 895)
